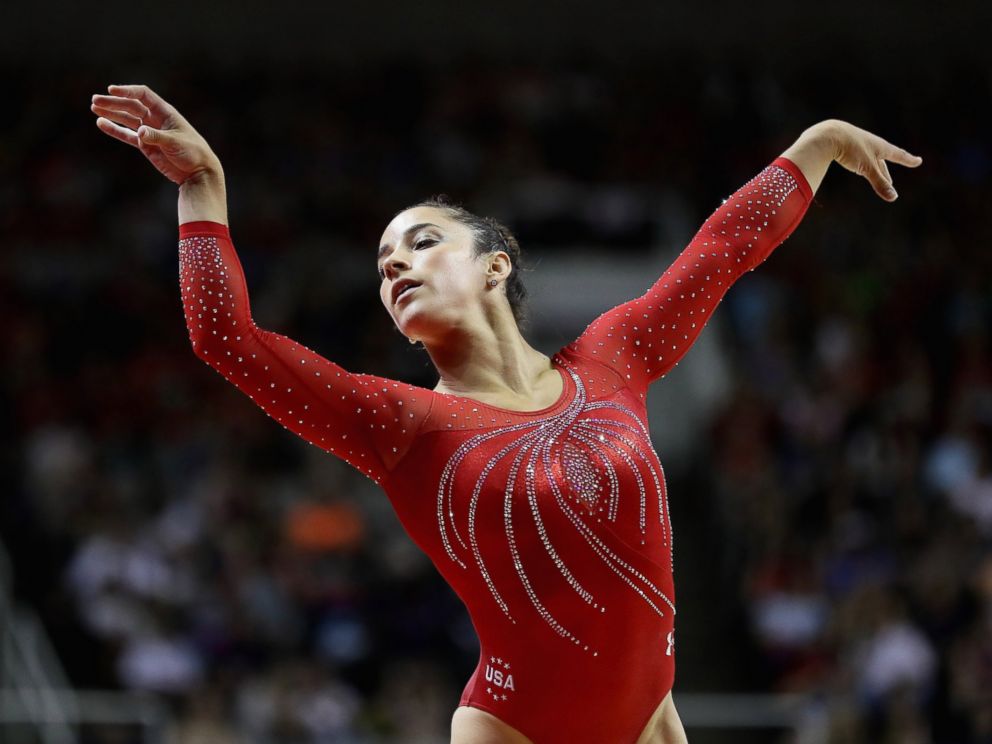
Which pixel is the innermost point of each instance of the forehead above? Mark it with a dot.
(415, 216)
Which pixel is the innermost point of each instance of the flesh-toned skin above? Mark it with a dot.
(464, 321)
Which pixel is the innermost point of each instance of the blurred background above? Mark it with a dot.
(178, 568)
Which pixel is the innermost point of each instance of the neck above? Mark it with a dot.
(490, 358)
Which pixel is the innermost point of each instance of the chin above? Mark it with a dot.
(424, 321)
(425, 328)
(415, 325)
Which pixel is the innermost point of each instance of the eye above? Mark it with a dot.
(423, 242)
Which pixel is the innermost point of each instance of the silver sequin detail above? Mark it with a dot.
(583, 447)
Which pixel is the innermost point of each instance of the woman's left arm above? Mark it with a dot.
(855, 149)
(646, 337)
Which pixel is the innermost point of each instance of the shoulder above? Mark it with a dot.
(595, 374)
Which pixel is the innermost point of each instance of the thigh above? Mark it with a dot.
(474, 726)
(665, 726)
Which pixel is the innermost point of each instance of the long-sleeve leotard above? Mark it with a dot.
(369, 421)
(552, 525)
(366, 420)
(645, 338)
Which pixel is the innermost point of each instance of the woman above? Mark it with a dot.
(530, 481)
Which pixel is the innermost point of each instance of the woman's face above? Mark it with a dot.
(425, 247)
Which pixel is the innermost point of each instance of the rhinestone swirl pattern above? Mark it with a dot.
(547, 511)
(583, 446)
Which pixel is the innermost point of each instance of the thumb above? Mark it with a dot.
(155, 137)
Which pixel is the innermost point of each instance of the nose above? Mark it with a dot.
(394, 264)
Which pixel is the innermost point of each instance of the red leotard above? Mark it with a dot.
(552, 525)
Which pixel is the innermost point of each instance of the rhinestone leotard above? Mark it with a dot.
(552, 526)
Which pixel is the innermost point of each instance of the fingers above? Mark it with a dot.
(900, 156)
(125, 112)
(120, 117)
(127, 105)
(143, 139)
(117, 132)
(866, 154)
(158, 109)
(126, 118)
(884, 168)
(881, 181)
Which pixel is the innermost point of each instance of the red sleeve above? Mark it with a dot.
(646, 337)
(367, 421)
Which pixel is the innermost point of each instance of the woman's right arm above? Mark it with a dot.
(137, 115)
(366, 420)
(203, 197)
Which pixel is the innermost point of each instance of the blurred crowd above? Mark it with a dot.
(178, 541)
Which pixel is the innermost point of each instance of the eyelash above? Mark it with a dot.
(416, 247)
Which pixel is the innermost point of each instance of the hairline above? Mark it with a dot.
(451, 212)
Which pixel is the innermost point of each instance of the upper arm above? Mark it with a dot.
(366, 420)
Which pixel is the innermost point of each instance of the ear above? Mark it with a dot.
(498, 265)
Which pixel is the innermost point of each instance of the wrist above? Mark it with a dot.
(815, 149)
(208, 176)
(826, 135)
(203, 197)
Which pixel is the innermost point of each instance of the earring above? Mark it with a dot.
(413, 341)
(493, 282)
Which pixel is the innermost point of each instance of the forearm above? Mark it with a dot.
(203, 197)
(814, 151)
(661, 325)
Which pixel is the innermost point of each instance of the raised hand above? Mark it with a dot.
(864, 153)
(135, 114)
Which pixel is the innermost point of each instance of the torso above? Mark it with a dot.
(541, 521)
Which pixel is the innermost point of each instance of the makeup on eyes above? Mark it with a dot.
(411, 235)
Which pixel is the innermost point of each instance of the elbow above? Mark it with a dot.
(203, 347)
(216, 340)
(208, 338)
(200, 350)
(215, 334)
(199, 336)
(219, 348)
(214, 356)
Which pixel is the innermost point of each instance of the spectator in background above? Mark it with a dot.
(811, 383)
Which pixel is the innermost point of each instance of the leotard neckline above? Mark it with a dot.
(565, 396)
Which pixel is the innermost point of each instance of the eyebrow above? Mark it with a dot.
(406, 234)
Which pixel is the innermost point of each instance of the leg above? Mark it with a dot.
(475, 726)
(665, 726)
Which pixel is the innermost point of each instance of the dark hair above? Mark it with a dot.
(490, 235)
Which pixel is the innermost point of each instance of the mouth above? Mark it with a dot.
(402, 288)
